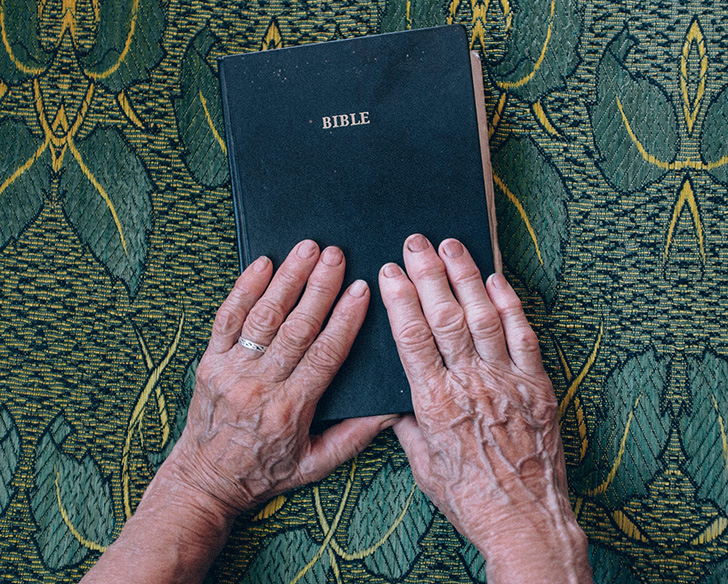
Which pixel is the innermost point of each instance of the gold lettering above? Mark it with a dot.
(345, 120)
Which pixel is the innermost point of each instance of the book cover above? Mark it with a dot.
(359, 143)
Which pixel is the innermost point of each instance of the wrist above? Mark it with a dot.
(532, 550)
(173, 537)
(174, 491)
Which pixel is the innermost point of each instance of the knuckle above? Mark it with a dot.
(290, 279)
(299, 332)
(467, 275)
(447, 320)
(226, 320)
(326, 355)
(212, 377)
(203, 373)
(414, 336)
(546, 408)
(513, 306)
(486, 325)
(265, 317)
(526, 340)
(550, 404)
(545, 390)
(431, 270)
(321, 287)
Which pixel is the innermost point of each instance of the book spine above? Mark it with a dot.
(237, 194)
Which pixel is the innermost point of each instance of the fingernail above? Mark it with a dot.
(358, 288)
(260, 264)
(306, 249)
(417, 242)
(391, 270)
(452, 248)
(499, 281)
(332, 256)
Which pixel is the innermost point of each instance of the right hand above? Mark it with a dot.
(485, 444)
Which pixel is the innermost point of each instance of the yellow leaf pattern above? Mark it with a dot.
(623, 257)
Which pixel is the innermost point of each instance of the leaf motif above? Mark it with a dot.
(406, 14)
(24, 178)
(608, 567)
(272, 39)
(532, 215)
(71, 502)
(704, 432)
(128, 43)
(180, 417)
(389, 519)
(148, 388)
(199, 114)
(108, 202)
(271, 508)
(541, 52)
(632, 431)
(9, 455)
(289, 558)
(713, 145)
(693, 72)
(633, 121)
(21, 55)
(473, 561)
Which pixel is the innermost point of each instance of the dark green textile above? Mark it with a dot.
(608, 123)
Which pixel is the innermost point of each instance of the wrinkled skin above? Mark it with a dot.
(247, 434)
(485, 443)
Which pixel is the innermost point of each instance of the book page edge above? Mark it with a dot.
(479, 94)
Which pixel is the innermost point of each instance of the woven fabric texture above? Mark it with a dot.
(608, 124)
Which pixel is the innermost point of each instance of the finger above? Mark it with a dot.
(413, 443)
(412, 335)
(442, 311)
(324, 357)
(481, 316)
(270, 311)
(341, 443)
(302, 326)
(232, 312)
(521, 340)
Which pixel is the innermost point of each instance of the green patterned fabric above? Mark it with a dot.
(608, 136)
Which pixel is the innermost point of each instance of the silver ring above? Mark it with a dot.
(248, 344)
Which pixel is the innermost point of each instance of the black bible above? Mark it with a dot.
(359, 143)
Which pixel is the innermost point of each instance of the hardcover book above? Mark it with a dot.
(359, 143)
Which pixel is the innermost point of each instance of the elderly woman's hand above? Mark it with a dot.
(247, 433)
(485, 445)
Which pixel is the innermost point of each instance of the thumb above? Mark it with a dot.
(341, 443)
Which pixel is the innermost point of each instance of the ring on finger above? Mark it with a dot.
(248, 344)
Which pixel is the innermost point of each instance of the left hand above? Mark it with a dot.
(247, 435)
